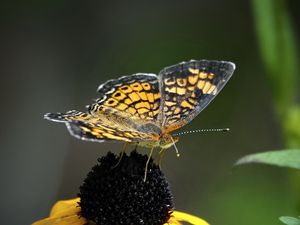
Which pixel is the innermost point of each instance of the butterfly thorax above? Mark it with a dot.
(165, 141)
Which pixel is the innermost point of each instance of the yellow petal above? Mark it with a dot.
(64, 213)
(173, 221)
(184, 217)
(65, 208)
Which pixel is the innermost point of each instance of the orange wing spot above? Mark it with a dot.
(146, 86)
(85, 129)
(200, 84)
(108, 135)
(191, 100)
(95, 133)
(193, 95)
(142, 116)
(142, 105)
(134, 97)
(193, 79)
(181, 82)
(191, 88)
(210, 76)
(168, 103)
(168, 113)
(206, 87)
(186, 104)
(125, 89)
(142, 95)
(203, 75)
(177, 110)
(181, 91)
(169, 81)
(119, 95)
(194, 71)
(176, 116)
(155, 112)
(142, 111)
(157, 96)
(136, 86)
(106, 129)
(127, 101)
(173, 108)
(111, 102)
(79, 117)
(155, 106)
(131, 110)
(127, 134)
(212, 90)
(150, 97)
(172, 121)
(122, 106)
(171, 90)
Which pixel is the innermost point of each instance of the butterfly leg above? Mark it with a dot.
(147, 163)
(122, 154)
(161, 155)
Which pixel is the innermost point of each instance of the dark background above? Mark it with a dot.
(54, 54)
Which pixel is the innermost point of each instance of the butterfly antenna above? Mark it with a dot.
(200, 131)
(176, 149)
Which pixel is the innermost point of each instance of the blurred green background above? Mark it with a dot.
(54, 54)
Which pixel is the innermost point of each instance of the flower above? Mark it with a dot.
(115, 193)
(67, 212)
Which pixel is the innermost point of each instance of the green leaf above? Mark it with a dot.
(287, 158)
(289, 220)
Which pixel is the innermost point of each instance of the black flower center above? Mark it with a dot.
(118, 195)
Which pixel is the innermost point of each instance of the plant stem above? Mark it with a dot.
(278, 49)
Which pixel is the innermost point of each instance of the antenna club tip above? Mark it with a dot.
(226, 129)
(178, 155)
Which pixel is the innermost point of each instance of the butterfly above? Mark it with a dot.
(145, 108)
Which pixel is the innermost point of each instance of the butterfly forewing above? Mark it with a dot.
(187, 88)
(137, 95)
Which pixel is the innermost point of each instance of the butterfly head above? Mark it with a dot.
(167, 141)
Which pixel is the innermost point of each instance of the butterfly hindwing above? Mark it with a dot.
(102, 128)
(188, 87)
